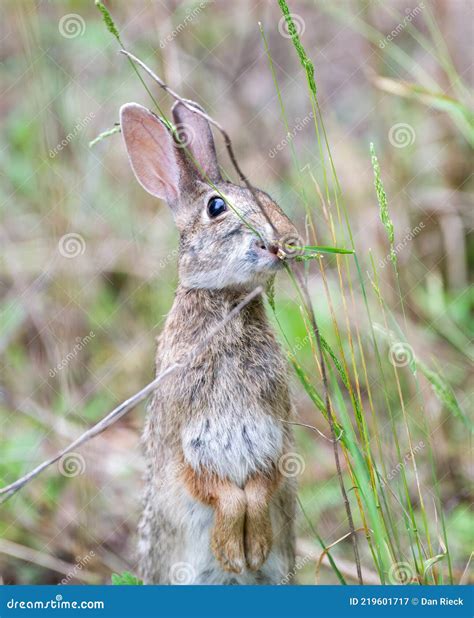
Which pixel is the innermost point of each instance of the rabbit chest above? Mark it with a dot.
(234, 446)
(235, 409)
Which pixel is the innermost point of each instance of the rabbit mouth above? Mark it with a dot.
(267, 256)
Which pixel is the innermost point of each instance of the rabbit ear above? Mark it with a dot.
(195, 135)
(151, 151)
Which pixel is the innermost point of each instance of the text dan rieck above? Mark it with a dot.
(441, 601)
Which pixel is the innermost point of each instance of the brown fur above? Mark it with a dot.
(229, 502)
(226, 405)
(258, 527)
(242, 531)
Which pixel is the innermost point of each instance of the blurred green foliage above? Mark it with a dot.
(120, 284)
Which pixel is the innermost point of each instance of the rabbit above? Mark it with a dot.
(218, 507)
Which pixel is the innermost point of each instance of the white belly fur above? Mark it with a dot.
(234, 447)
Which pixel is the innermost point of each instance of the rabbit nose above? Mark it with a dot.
(270, 246)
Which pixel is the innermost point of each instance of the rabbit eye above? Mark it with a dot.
(215, 207)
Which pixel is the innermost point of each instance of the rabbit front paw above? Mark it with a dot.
(258, 539)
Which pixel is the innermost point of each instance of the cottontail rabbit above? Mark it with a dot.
(218, 509)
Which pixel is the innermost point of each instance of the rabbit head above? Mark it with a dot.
(226, 240)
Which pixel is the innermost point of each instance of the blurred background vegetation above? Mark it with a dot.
(88, 259)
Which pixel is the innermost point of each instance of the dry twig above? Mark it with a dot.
(129, 404)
